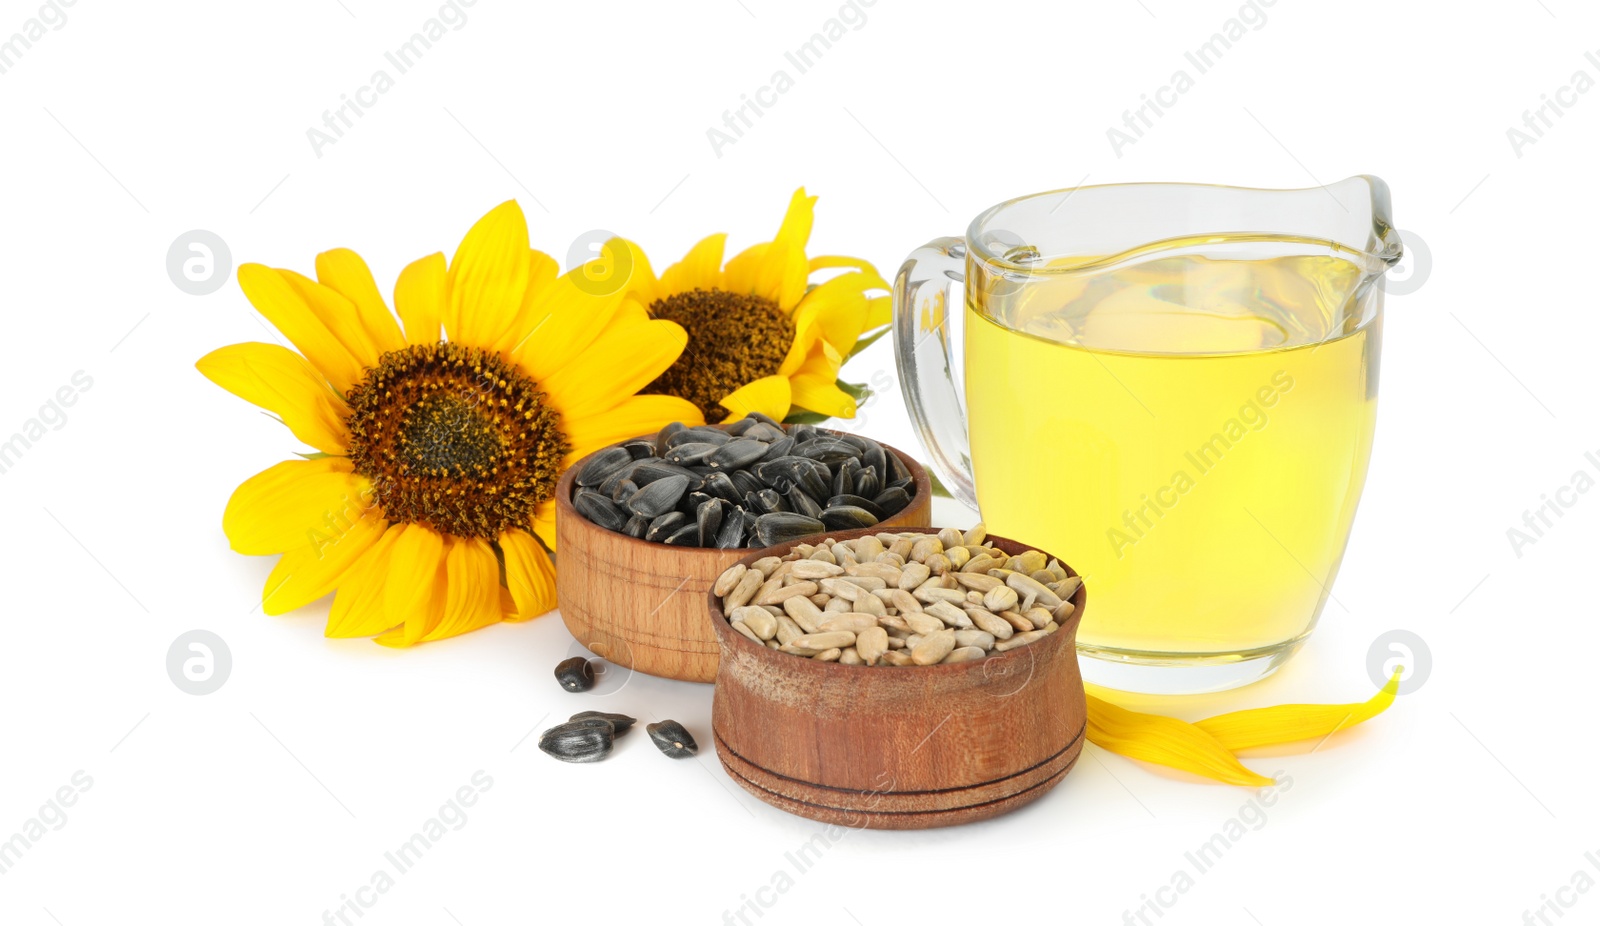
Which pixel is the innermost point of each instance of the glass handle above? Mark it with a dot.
(925, 343)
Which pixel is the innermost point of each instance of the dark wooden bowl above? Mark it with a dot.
(898, 747)
(643, 605)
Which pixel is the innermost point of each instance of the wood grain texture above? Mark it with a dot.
(899, 748)
(643, 605)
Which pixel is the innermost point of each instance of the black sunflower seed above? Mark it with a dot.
(744, 482)
(781, 447)
(672, 739)
(764, 419)
(876, 459)
(783, 527)
(762, 431)
(662, 526)
(602, 464)
(897, 469)
(640, 448)
(620, 723)
(599, 509)
(588, 740)
(856, 501)
(656, 470)
(624, 491)
(847, 517)
(685, 536)
(658, 497)
(665, 434)
(891, 500)
(636, 527)
(801, 503)
(723, 486)
(691, 503)
(575, 674)
(708, 518)
(802, 433)
(705, 432)
(867, 483)
(690, 452)
(844, 478)
(731, 535)
(737, 454)
(766, 501)
(826, 450)
(742, 427)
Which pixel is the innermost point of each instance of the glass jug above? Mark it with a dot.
(1172, 387)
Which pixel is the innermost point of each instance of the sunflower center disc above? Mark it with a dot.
(733, 339)
(456, 439)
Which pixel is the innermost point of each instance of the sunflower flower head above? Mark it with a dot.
(762, 337)
(427, 506)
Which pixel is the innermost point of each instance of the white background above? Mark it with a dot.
(268, 800)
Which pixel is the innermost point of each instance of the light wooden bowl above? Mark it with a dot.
(643, 605)
(898, 748)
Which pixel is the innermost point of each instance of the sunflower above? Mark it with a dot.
(762, 337)
(432, 482)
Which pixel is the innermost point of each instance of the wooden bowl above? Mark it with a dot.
(898, 747)
(643, 605)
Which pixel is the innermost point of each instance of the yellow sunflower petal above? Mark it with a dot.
(618, 364)
(1166, 741)
(823, 362)
(307, 572)
(805, 337)
(1288, 723)
(293, 503)
(836, 261)
(632, 417)
(416, 564)
(839, 310)
(472, 593)
(880, 310)
(357, 609)
(701, 268)
(419, 297)
(542, 273)
(795, 232)
(281, 304)
(566, 318)
(339, 314)
(642, 282)
(529, 575)
(488, 276)
(817, 394)
(544, 524)
(769, 395)
(279, 380)
(346, 273)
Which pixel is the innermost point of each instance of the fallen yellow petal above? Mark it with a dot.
(1287, 723)
(1166, 741)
